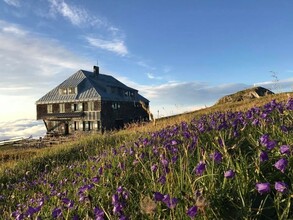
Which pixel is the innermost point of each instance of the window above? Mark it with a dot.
(71, 90)
(67, 91)
(73, 107)
(77, 107)
(62, 108)
(129, 93)
(81, 127)
(63, 91)
(49, 109)
(136, 104)
(91, 106)
(115, 105)
(80, 107)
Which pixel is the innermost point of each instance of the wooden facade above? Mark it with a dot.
(84, 103)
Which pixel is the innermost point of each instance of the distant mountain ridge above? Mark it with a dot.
(247, 94)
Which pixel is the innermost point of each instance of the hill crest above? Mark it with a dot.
(247, 94)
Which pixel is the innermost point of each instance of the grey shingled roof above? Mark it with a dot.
(90, 87)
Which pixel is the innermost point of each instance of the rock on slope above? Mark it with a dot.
(247, 94)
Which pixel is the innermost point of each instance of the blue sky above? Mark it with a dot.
(181, 55)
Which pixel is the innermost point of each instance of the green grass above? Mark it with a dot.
(125, 169)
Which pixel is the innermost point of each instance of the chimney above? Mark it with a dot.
(96, 70)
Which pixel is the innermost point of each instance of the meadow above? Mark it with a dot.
(225, 162)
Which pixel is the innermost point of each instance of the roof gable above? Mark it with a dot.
(90, 86)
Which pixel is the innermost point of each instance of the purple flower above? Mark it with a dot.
(281, 187)
(281, 164)
(162, 179)
(96, 179)
(200, 168)
(115, 199)
(255, 122)
(264, 139)
(285, 149)
(263, 188)
(67, 202)
(271, 144)
(17, 215)
(114, 151)
(117, 208)
(263, 156)
(31, 211)
(229, 174)
(119, 189)
(123, 217)
(192, 211)
(174, 159)
(100, 170)
(82, 197)
(173, 142)
(56, 213)
(164, 162)
(99, 213)
(170, 202)
(284, 128)
(154, 168)
(217, 157)
(158, 196)
(131, 151)
(125, 194)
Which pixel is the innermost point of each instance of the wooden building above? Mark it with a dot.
(90, 101)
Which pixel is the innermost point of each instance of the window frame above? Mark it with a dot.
(49, 108)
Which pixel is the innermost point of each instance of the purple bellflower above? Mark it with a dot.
(263, 188)
(281, 164)
(281, 187)
(229, 174)
(200, 168)
(192, 211)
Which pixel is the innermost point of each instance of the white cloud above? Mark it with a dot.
(29, 65)
(13, 29)
(145, 64)
(22, 128)
(116, 46)
(277, 86)
(152, 76)
(188, 95)
(78, 16)
(178, 97)
(25, 54)
(15, 3)
(75, 15)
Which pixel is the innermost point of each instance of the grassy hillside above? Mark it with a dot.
(230, 161)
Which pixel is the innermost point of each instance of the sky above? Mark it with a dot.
(181, 55)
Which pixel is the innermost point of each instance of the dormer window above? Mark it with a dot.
(71, 91)
(115, 105)
(67, 91)
(63, 91)
(129, 93)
